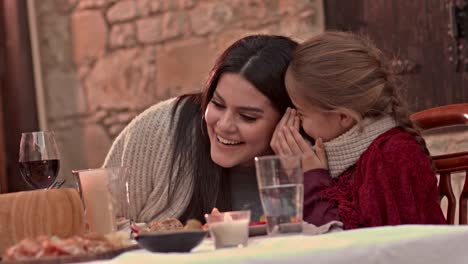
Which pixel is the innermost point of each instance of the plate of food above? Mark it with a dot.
(52, 249)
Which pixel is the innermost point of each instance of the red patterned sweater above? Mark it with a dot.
(392, 183)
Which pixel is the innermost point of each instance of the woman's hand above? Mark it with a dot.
(287, 140)
(214, 211)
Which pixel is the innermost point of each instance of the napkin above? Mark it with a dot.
(312, 230)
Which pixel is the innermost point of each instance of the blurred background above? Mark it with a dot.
(85, 68)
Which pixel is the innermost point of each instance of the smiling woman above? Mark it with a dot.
(190, 154)
(240, 121)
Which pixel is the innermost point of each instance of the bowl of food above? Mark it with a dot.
(173, 241)
(171, 236)
(257, 228)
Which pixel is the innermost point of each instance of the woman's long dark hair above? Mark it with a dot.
(260, 59)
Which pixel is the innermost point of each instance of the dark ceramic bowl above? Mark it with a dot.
(257, 230)
(177, 241)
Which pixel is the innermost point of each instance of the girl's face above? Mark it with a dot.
(318, 122)
(240, 122)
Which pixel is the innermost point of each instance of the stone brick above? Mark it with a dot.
(143, 7)
(147, 7)
(187, 4)
(114, 120)
(163, 5)
(158, 6)
(122, 35)
(191, 59)
(290, 7)
(174, 24)
(300, 28)
(89, 35)
(123, 78)
(210, 17)
(257, 9)
(83, 70)
(122, 11)
(163, 27)
(94, 4)
(149, 30)
(254, 14)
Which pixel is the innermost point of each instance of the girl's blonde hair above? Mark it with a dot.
(339, 70)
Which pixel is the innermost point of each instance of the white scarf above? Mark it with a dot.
(345, 150)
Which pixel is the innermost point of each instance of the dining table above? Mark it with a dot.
(413, 244)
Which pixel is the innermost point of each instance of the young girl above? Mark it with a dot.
(370, 165)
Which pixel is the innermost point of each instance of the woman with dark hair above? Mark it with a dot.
(190, 154)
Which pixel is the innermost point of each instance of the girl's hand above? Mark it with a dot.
(314, 159)
(287, 140)
(289, 118)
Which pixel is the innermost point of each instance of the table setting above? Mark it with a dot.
(84, 224)
(390, 244)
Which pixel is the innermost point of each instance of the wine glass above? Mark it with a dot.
(39, 159)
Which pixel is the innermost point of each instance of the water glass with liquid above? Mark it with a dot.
(280, 182)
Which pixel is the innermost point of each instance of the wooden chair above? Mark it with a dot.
(441, 117)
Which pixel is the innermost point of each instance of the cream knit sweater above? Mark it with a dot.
(145, 147)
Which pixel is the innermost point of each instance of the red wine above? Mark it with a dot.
(40, 174)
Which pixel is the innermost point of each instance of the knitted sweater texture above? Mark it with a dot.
(145, 147)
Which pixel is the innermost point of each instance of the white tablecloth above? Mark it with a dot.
(394, 244)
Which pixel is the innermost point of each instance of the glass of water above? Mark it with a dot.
(280, 182)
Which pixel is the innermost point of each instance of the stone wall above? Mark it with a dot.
(104, 61)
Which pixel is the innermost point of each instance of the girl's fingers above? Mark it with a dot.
(292, 115)
(321, 153)
(283, 144)
(281, 124)
(283, 141)
(284, 120)
(301, 142)
(274, 141)
(297, 123)
(290, 140)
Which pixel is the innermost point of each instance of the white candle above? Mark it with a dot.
(230, 233)
(99, 213)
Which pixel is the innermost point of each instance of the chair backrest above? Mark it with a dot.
(441, 117)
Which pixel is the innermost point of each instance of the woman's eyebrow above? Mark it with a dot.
(250, 109)
(216, 94)
(241, 108)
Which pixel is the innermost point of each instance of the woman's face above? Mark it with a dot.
(240, 122)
